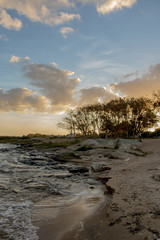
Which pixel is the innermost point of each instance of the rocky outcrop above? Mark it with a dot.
(100, 167)
(58, 176)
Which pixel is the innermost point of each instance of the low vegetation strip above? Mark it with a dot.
(39, 143)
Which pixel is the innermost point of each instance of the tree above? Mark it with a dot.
(120, 117)
(142, 115)
(69, 122)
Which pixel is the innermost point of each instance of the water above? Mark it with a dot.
(71, 217)
(15, 216)
(26, 201)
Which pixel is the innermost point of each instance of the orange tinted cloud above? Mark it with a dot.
(8, 22)
(94, 95)
(57, 85)
(142, 86)
(22, 100)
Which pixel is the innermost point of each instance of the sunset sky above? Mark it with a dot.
(59, 54)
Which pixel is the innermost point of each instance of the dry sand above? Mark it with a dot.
(134, 210)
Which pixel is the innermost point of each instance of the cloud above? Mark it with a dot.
(66, 30)
(48, 12)
(105, 7)
(54, 64)
(131, 74)
(142, 86)
(94, 95)
(8, 22)
(56, 84)
(15, 59)
(53, 12)
(22, 100)
(63, 17)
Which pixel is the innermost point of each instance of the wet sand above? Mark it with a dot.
(70, 218)
(97, 228)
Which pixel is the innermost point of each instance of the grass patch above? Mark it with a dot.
(69, 156)
(16, 140)
(84, 148)
(24, 141)
(51, 144)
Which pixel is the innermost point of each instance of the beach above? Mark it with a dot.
(134, 210)
(100, 189)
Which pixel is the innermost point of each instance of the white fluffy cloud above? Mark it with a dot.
(15, 59)
(142, 86)
(53, 12)
(107, 6)
(8, 22)
(112, 5)
(48, 12)
(66, 30)
(56, 84)
(22, 100)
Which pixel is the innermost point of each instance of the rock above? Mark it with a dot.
(92, 181)
(57, 159)
(44, 186)
(103, 178)
(41, 186)
(39, 163)
(156, 176)
(5, 166)
(118, 143)
(116, 155)
(137, 153)
(16, 221)
(3, 187)
(99, 143)
(78, 169)
(16, 189)
(62, 174)
(126, 144)
(26, 161)
(100, 167)
(109, 190)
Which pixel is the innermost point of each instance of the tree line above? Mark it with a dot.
(122, 117)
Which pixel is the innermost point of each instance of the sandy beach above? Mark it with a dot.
(134, 210)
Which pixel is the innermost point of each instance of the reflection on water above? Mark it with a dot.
(67, 218)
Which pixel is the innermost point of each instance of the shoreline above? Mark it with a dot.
(98, 228)
(130, 175)
(134, 211)
(71, 217)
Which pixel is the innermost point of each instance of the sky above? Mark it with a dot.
(56, 55)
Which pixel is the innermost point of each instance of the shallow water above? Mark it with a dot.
(70, 217)
(54, 214)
